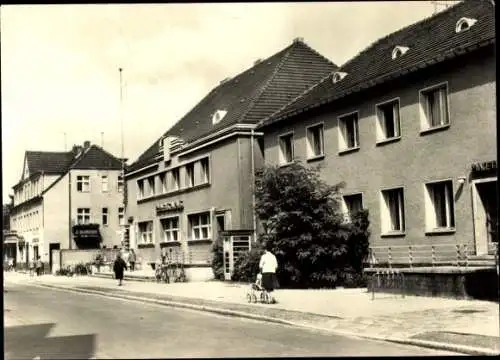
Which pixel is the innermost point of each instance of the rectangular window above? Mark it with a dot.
(175, 179)
(351, 205)
(170, 229)
(104, 183)
(83, 216)
(200, 227)
(151, 185)
(388, 124)
(205, 171)
(189, 175)
(83, 183)
(348, 132)
(140, 188)
(315, 141)
(434, 104)
(121, 183)
(105, 216)
(439, 206)
(146, 232)
(286, 149)
(392, 211)
(121, 216)
(162, 178)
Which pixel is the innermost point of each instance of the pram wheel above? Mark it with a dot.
(249, 298)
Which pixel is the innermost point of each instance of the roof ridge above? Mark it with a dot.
(271, 78)
(78, 159)
(405, 28)
(309, 89)
(317, 53)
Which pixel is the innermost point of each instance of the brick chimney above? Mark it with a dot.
(77, 149)
(86, 144)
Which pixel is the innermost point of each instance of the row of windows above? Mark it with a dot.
(171, 180)
(434, 114)
(439, 210)
(28, 191)
(83, 183)
(27, 222)
(84, 216)
(199, 228)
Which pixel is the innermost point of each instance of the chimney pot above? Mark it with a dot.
(86, 144)
(298, 39)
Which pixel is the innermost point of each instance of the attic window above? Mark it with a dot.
(464, 24)
(399, 51)
(337, 76)
(218, 116)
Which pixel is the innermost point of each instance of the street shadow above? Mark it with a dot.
(30, 341)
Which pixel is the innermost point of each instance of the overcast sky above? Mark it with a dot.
(60, 63)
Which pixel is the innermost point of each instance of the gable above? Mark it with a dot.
(97, 158)
(26, 171)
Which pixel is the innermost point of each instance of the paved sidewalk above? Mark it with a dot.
(341, 310)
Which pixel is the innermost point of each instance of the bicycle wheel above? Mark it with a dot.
(249, 297)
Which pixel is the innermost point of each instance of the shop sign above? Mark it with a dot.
(484, 166)
(170, 206)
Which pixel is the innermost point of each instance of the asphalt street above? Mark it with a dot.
(52, 324)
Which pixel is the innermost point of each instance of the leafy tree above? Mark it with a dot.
(305, 227)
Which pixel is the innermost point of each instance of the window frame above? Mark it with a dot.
(385, 209)
(140, 188)
(430, 209)
(189, 175)
(104, 188)
(105, 216)
(345, 209)
(205, 170)
(120, 183)
(341, 140)
(381, 131)
(81, 213)
(176, 179)
(170, 230)
(425, 125)
(82, 180)
(149, 232)
(199, 226)
(282, 161)
(310, 146)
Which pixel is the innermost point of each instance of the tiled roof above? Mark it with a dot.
(430, 41)
(97, 158)
(48, 162)
(251, 95)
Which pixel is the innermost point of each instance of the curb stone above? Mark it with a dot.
(468, 350)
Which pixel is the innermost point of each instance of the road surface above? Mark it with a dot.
(52, 324)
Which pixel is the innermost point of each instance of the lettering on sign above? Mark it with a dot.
(484, 166)
(170, 206)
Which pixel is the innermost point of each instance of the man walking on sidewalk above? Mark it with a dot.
(268, 265)
(119, 267)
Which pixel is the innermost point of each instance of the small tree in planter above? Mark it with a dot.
(301, 214)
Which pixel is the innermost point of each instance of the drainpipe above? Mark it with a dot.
(69, 211)
(253, 189)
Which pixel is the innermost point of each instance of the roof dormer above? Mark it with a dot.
(399, 51)
(218, 116)
(464, 24)
(338, 75)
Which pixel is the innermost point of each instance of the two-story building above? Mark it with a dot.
(195, 183)
(67, 200)
(410, 125)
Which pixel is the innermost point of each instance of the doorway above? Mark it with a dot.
(52, 246)
(485, 216)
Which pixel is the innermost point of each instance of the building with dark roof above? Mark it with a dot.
(67, 200)
(196, 180)
(409, 124)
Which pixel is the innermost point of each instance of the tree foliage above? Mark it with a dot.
(305, 227)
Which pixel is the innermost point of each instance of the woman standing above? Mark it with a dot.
(118, 268)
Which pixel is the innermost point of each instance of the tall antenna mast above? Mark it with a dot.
(65, 143)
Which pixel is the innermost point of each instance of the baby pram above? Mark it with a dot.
(257, 293)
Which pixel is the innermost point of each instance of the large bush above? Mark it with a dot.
(303, 223)
(218, 259)
(246, 267)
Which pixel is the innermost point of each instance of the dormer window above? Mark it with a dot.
(218, 116)
(464, 24)
(337, 76)
(399, 51)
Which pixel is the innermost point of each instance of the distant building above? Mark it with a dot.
(67, 200)
(8, 238)
(195, 183)
(410, 125)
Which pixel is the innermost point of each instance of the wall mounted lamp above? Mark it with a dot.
(461, 179)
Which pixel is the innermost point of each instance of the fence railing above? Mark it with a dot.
(437, 254)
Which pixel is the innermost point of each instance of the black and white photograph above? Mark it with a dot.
(221, 180)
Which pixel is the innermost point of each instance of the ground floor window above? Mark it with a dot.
(200, 226)
(170, 228)
(439, 208)
(146, 232)
(351, 204)
(392, 210)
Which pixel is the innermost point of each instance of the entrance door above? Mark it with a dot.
(55, 246)
(485, 216)
(227, 257)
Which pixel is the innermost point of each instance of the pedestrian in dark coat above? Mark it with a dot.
(131, 259)
(118, 268)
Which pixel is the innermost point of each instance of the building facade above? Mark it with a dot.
(195, 183)
(67, 200)
(410, 126)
